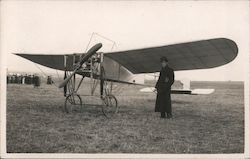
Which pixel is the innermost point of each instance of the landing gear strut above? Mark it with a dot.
(94, 70)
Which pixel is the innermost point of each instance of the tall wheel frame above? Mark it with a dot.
(73, 101)
(109, 106)
(109, 101)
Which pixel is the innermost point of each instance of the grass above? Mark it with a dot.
(36, 122)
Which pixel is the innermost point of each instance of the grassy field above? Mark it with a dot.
(211, 123)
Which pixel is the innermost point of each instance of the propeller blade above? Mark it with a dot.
(67, 79)
(90, 52)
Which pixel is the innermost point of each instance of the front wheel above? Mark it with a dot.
(73, 103)
(109, 107)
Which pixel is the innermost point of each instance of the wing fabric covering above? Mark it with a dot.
(53, 61)
(184, 56)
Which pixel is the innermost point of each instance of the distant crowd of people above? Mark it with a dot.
(26, 79)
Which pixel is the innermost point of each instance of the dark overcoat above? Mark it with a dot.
(163, 86)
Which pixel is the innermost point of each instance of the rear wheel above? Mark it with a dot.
(109, 107)
(73, 103)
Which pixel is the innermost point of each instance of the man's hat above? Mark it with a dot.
(163, 58)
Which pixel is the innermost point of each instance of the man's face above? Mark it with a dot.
(163, 63)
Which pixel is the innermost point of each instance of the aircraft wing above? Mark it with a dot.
(52, 61)
(184, 56)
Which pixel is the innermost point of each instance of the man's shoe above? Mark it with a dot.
(169, 116)
(163, 115)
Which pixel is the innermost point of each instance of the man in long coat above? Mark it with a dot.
(163, 86)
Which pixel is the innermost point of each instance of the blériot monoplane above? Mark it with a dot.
(123, 66)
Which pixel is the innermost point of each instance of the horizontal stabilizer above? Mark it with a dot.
(202, 91)
(147, 89)
(173, 91)
(181, 91)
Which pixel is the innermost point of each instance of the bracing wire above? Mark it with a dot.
(91, 39)
(57, 75)
(44, 74)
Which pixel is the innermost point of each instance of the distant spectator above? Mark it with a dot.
(19, 79)
(36, 81)
(8, 79)
(15, 78)
(49, 80)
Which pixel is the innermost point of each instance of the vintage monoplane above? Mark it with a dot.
(123, 66)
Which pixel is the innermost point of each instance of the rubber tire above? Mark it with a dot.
(68, 98)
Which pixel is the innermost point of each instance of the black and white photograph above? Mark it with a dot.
(124, 79)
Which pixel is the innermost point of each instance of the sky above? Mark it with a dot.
(64, 27)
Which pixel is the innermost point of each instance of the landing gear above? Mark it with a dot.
(73, 103)
(109, 106)
(94, 70)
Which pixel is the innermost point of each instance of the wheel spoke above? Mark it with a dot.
(109, 107)
(73, 103)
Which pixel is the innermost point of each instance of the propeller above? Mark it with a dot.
(90, 52)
